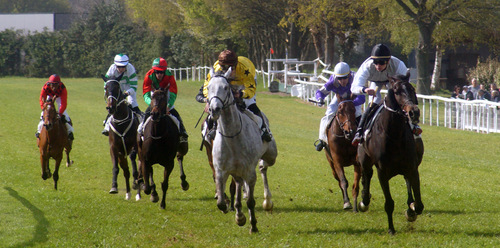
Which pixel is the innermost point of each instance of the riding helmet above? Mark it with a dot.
(380, 51)
(341, 69)
(121, 59)
(160, 64)
(228, 57)
(54, 78)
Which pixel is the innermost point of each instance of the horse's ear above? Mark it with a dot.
(406, 78)
(228, 72)
(104, 78)
(120, 77)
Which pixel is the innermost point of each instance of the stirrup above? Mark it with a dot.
(358, 138)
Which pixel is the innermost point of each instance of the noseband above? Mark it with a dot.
(117, 98)
(225, 102)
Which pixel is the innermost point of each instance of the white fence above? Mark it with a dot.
(478, 115)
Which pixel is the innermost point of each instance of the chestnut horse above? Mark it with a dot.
(393, 149)
(339, 151)
(52, 141)
(123, 136)
(160, 145)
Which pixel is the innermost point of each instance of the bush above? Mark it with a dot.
(486, 72)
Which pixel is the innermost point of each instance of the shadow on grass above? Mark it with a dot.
(41, 228)
(382, 231)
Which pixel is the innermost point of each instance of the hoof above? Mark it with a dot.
(268, 205)
(362, 207)
(127, 196)
(154, 198)
(410, 215)
(185, 186)
(69, 164)
(134, 185)
(347, 206)
(113, 190)
(137, 197)
(254, 230)
(241, 219)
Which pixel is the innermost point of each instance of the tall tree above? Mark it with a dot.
(34, 6)
(414, 25)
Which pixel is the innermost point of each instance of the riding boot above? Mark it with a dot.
(105, 131)
(266, 135)
(212, 127)
(138, 112)
(69, 127)
(319, 144)
(182, 129)
(358, 138)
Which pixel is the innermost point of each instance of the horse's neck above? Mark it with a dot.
(122, 112)
(230, 117)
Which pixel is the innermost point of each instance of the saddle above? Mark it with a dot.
(372, 116)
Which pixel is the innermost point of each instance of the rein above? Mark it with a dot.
(226, 103)
(341, 124)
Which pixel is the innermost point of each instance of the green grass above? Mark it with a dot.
(460, 188)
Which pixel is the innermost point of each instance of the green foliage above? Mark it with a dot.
(486, 72)
(34, 6)
(458, 186)
(10, 52)
(44, 54)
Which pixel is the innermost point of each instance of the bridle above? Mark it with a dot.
(120, 99)
(226, 103)
(342, 124)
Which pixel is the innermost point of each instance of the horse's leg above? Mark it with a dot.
(67, 149)
(250, 182)
(220, 184)
(355, 185)
(122, 160)
(44, 161)
(338, 173)
(389, 202)
(208, 148)
(232, 192)
(154, 195)
(55, 176)
(116, 170)
(184, 183)
(267, 204)
(135, 174)
(410, 214)
(164, 185)
(366, 177)
(239, 216)
(414, 179)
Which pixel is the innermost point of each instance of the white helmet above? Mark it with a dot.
(341, 69)
(121, 59)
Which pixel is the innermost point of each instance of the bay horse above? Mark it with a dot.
(339, 151)
(123, 136)
(393, 149)
(237, 148)
(53, 140)
(160, 145)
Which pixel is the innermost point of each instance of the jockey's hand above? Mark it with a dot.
(207, 107)
(321, 102)
(126, 93)
(238, 94)
(370, 91)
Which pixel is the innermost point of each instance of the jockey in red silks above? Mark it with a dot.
(54, 88)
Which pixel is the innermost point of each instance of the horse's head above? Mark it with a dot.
(346, 117)
(405, 96)
(219, 92)
(49, 114)
(159, 101)
(113, 93)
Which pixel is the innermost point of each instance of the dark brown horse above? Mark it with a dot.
(340, 153)
(393, 149)
(52, 141)
(122, 136)
(160, 145)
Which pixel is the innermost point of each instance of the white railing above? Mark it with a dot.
(190, 73)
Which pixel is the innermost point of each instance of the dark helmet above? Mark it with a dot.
(228, 57)
(380, 51)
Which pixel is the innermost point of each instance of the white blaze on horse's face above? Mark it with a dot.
(219, 92)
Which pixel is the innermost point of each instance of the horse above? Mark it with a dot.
(393, 149)
(123, 136)
(339, 151)
(237, 148)
(52, 141)
(160, 145)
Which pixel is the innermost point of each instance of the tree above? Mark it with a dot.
(34, 6)
(414, 25)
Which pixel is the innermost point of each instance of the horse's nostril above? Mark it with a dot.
(217, 109)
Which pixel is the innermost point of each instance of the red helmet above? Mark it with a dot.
(160, 64)
(54, 78)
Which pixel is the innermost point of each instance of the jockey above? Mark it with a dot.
(156, 78)
(376, 69)
(339, 83)
(243, 72)
(55, 88)
(128, 84)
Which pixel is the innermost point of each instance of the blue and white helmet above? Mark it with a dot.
(341, 69)
(121, 59)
